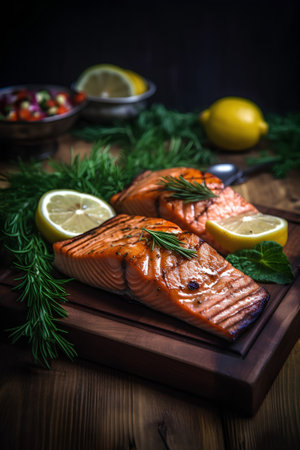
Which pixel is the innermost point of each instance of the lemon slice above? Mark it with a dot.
(106, 81)
(64, 213)
(247, 230)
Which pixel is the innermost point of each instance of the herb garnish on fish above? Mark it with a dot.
(170, 242)
(144, 147)
(186, 190)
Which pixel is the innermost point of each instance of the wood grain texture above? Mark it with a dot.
(263, 188)
(88, 406)
(276, 425)
(84, 406)
(108, 329)
(119, 338)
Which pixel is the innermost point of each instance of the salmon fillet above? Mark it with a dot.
(205, 291)
(147, 197)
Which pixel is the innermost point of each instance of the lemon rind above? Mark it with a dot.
(232, 241)
(253, 235)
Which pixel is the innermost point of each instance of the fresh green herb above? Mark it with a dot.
(145, 138)
(171, 242)
(37, 285)
(158, 138)
(163, 123)
(265, 263)
(43, 295)
(186, 190)
(284, 138)
(178, 153)
(98, 174)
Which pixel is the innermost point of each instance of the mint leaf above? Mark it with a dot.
(265, 263)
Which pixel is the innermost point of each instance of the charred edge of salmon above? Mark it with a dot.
(238, 326)
(250, 318)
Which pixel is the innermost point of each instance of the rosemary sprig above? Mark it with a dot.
(42, 294)
(37, 285)
(186, 190)
(171, 242)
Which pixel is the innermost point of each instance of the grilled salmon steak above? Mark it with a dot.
(206, 290)
(146, 196)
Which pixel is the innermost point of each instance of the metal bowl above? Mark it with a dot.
(107, 109)
(30, 133)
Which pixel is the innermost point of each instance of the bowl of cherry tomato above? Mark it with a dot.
(38, 113)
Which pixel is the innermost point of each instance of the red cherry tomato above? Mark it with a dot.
(78, 98)
(24, 114)
(62, 109)
(50, 103)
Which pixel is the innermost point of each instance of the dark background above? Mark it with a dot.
(194, 51)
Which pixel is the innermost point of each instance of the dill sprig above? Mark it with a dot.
(178, 153)
(188, 191)
(171, 242)
(284, 139)
(159, 121)
(145, 137)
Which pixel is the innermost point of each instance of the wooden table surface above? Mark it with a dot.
(82, 405)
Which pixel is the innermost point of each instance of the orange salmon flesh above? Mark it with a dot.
(205, 291)
(145, 196)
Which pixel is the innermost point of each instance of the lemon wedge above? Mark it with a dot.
(140, 85)
(109, 81)
(63, 213)
(247, 230)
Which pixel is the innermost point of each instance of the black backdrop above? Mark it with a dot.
(194, 51)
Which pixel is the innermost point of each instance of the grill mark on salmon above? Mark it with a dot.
(146, 197)
(205, 291)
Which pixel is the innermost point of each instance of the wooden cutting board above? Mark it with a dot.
(126, 335)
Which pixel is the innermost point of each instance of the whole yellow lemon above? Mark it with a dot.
(233, 123)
